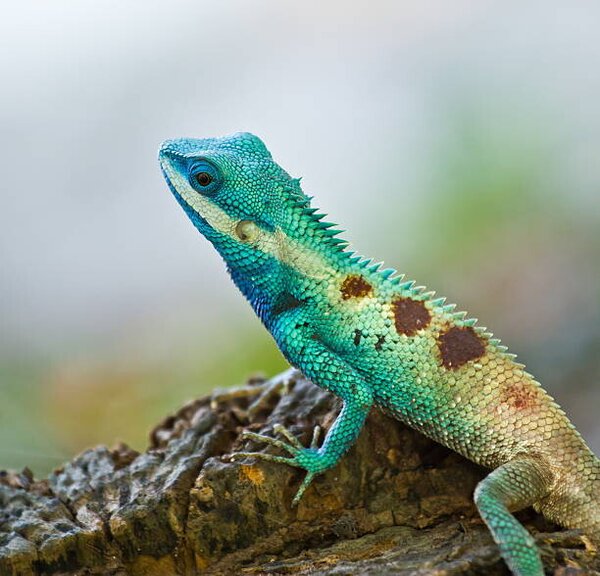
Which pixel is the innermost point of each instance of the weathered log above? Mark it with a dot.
(398, 503)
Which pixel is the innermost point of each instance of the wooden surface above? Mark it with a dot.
(397, 503)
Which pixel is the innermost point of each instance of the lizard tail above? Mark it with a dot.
(576, 501)
(591, 487)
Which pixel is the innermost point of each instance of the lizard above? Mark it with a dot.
(375, 339)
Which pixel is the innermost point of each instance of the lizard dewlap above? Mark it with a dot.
(374, 339)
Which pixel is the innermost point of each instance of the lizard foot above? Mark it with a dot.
(308, 459)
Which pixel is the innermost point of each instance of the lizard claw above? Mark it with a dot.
(305, 484)
(299, 456)
(283, 431)
(265, 456)
(292, 448)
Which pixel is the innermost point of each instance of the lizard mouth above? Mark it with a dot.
(166, 176)
(166, 169)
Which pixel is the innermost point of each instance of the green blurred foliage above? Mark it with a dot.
(61, 408)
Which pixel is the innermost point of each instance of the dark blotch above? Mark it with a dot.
(357, 337)
(410, 316)
(460, 345)
(520, 395)
(284, 302)
(355, 286)
(379, 343)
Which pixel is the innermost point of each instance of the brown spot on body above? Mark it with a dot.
(355, 286)
(379, 343)
(519, 395)
(460, 345)
(410, 316)
(357, 337)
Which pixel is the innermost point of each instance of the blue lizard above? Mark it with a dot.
(375, 339)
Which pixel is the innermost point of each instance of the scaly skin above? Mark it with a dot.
(374, 339)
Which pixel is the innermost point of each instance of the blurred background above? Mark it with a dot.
(458, 141)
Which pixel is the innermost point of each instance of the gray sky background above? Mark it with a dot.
(88, 233)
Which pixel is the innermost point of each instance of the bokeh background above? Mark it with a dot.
(458, 140)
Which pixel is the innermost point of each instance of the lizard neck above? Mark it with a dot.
(260, 288)
(304, 264)
(298, 276)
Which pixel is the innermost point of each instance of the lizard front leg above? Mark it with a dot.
(329, 371)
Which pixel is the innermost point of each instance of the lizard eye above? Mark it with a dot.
(205, 177)
(246, 230)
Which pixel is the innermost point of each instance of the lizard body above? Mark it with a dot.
(374, 339)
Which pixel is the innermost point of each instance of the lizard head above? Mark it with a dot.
(233, 192)
(252, 211)
(223, 182)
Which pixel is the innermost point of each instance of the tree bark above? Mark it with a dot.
(398, 503)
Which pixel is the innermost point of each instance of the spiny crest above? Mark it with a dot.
(408, 288)
(292, 192)
(326, 232)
